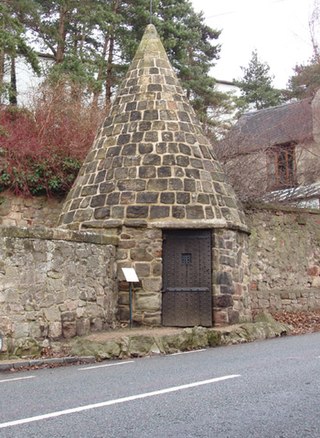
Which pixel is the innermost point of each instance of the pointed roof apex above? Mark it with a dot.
(151, 30)
(150, 45)
(151, 163)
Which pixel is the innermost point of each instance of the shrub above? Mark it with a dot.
(42, 149)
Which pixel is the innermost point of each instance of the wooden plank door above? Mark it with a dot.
(187, 296)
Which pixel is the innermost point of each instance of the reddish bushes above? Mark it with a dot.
(41, 150)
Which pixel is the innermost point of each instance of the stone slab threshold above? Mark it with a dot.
(146, 341)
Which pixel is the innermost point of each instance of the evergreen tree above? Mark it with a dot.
(64, 29)
(257, 91)
(305, 80)
(14, 43)
(191, 46)
(82, 40)
(90, 44)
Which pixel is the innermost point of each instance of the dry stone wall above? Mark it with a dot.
(55, 284)
(284, 255)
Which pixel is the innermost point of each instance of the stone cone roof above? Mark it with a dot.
(151, 163)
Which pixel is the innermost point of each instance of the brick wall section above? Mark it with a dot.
(284, 256)
(55, 283)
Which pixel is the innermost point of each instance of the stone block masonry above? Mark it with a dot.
(141, 248)
(55, 284)
(151, 168)
(150, 159)
(284, 256)
(231, 300)
(59, 283)
(26, 212)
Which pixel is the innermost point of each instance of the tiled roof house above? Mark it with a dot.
(277, 150)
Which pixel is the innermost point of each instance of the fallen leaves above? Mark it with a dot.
(301, 322)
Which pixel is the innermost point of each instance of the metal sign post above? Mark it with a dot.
(130, 276)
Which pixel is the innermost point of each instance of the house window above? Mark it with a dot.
(282, 167)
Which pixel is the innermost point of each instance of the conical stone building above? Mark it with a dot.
(152, 181)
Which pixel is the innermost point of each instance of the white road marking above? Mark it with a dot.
(187, 352)
(16, 378)
(105, 365)
(115, 401)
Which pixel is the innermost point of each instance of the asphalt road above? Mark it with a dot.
(264, 389)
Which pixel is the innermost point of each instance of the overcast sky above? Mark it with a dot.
(277, 29)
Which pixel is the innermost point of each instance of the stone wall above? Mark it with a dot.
(26, 212)
(284, 254)
(52, 285)
(141, 249)
(55, 283)
(231, 278)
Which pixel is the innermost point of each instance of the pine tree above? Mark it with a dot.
(257, 91)
(13, 44)
(305, 80)
(90, 44)
(191, 46)
(65, 29)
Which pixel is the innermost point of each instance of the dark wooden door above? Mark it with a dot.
(187, 297)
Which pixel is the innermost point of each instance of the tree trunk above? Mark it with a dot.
(61, 34)
(97, 92)
(1, 73)
(13, 83)
(109, 72)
